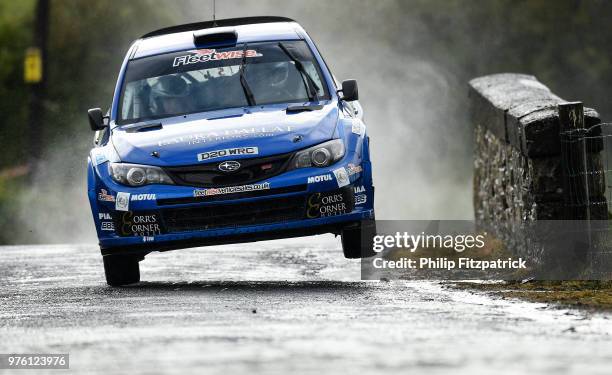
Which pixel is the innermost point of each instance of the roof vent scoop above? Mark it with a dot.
(217, 36)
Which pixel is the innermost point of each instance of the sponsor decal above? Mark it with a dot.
(228, 152)
(205, 55)
(139, 225)
(360, 199)
(321, 178)
(104, 216)
(122, 202)
(320, 205)
(341, 177)
(99, 159)
(143, 197)
(107, 226)
(230, 134)
(353, 169)
(356, 128)
(359, 189)
(360, 196)
(105, 197)
(100, 155)
(230, 190)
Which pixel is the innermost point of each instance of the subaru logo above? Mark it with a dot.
(229, 166)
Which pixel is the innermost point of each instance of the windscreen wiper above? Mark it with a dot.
(303, 108)
(245, 85)
(311, 85)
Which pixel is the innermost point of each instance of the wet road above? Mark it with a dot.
(285, 307)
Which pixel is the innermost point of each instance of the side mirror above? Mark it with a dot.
(350, 92)
(96, 119)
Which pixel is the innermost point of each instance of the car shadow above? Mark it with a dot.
(246, 285)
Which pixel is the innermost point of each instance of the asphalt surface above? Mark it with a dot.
(285, 307)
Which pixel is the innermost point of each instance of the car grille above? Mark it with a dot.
(209, 175)
(268, 211)
(234, 215)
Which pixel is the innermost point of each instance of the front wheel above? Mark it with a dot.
(121, 269)
(357, 239)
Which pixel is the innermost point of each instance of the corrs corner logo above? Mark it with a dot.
(228, 152)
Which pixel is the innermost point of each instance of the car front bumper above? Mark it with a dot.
(166, 217)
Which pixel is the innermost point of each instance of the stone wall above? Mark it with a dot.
(518, 175)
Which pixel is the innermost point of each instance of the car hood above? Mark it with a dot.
(179, 141)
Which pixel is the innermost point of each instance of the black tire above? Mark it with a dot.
(121, 269)
(357, 240)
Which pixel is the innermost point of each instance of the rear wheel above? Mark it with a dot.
(121, 269)
(357, 239)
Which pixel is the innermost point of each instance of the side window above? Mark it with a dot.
(312, 72)
(336, 82)
(99, 137)
(348, 109)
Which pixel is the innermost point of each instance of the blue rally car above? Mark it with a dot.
(224, 132)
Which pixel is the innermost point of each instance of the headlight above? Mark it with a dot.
(138, 175)
(320, 156)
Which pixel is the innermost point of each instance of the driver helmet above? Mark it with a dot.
(170, 86)
(166, 88)
(278, 73)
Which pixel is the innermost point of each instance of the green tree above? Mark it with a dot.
(86, 44)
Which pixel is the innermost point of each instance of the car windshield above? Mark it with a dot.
(201, 80)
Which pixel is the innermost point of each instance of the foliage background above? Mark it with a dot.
(412, 59)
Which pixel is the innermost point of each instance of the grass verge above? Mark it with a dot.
(584, 294)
